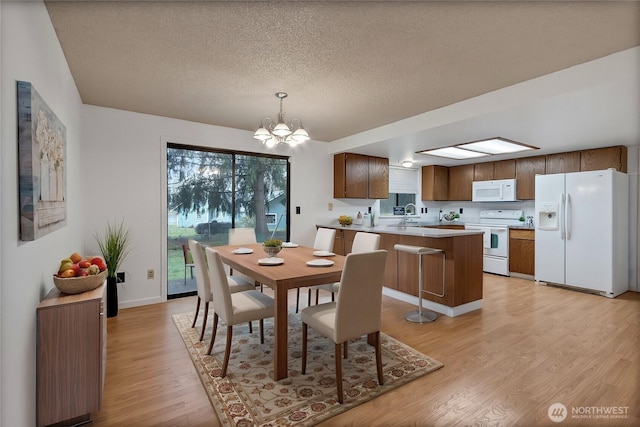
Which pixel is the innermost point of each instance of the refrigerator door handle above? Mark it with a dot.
(562, 231)
(568, 216)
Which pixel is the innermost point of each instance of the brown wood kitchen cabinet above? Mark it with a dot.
(378, 178)
(435, 183)
(70, 357)
(460, 182)
(504, 169)
(483, 171)
(526, 170)
(356, 176)
(562, 162)
(604, 158)
(522, 251)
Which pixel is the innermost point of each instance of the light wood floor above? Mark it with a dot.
(529, 347)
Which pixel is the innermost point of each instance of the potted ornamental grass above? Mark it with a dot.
(114, 245)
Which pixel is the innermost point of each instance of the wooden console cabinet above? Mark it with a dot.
(522, 251)
(71, 355)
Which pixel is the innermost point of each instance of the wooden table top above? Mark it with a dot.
(293, 273)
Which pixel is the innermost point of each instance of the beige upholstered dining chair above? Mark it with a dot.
(324, 241)
(234, 308)
(235, 284)
(356, 312)
(362, 242)
(242, 236)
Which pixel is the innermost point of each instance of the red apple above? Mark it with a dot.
(84, 264)
(83, 272)
(75, 267)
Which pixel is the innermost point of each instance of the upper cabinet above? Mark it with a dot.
(526, 170)
(461, 182)
(357, 176)
(563, 162)
(483, 171)
(504, 169)
(378, 178)
(604, 158)
(435, 183)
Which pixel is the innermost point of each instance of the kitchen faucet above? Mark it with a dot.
(404, 218)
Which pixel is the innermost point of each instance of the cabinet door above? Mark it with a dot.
(350, 176)
(483, 171)
(435, 183)
(378, 178)
(522, 251)
(460, 182)
(562, 163)
(387, 242)
(604, 158)
(349, 235)
(504, 169)
(338, 243)
(526, 170)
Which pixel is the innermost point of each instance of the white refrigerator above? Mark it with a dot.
(582, 230)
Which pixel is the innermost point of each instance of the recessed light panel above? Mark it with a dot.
(495, 146)
(486, 147)
(453, 153)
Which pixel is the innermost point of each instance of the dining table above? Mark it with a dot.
(293, 271)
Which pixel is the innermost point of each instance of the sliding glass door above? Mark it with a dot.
(210, 192)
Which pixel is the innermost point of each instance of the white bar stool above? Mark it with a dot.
(420, 316)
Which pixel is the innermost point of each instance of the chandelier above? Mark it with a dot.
(272, 133)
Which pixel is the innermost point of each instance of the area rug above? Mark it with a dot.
(248, 396)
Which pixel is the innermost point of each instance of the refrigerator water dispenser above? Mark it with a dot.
(548, 216)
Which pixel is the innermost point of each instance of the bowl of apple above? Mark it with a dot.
(77, 275)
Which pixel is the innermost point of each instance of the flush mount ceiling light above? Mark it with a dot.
(407, 163)
(272, 133)
(485, 147)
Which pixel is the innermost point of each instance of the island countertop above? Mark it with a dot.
(424, 231)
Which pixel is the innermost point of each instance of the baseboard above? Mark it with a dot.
(434, 306)
(139, 302)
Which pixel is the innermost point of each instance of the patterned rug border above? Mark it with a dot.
(236, 406)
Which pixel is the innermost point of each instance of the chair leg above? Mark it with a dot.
(339, 373)
(193, 325)
(345, 349)
(227, 351)
(309, 299)
(304, 348)
(379, 358)
(333, 296)
(261, 331)
(317, 295)
(213, 333)
(204, 321)
(250, 328)
(297, 299)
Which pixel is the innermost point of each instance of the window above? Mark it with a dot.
(210, 191)
(396, 199)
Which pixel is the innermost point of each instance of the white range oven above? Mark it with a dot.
(495, 225)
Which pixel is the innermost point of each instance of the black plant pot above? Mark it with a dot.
(112, 297)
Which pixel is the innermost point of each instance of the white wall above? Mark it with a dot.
(124, 174)
(31, 52)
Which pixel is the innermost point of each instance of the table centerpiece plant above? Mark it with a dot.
(272, 247)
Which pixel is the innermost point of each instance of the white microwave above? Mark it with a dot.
(500, 190)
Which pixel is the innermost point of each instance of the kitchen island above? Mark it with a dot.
(463, 265)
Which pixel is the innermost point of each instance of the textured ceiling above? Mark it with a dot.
(347, 66)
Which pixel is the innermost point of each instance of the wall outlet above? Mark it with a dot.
(330, 206)
(150, 274)
(120, 277)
